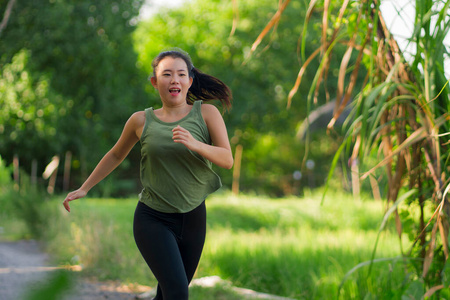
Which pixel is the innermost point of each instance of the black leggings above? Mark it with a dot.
(171, 244)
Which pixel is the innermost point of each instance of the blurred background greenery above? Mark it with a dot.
(74, 71)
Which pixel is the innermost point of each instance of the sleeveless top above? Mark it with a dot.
(175, 179)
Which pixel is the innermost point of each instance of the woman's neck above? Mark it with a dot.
(173, 113)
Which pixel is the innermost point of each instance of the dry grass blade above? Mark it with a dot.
(302, 37)
(398, 224)
(443, 227)
(447, 189)
(437, 212)
(375, 188)
(320, 78)
(430, 252)
(444, 236)
(325, 26)
(433, 171)
(351, 86)
(235, 17)
(342, 72)
(6, 15)
(275, 19)
(325, 44)
(322, 49)
(340, 105)
(346, 59)
(412, 139)
(300, 76)
(326, 59)
(340, 18)
(433, 290)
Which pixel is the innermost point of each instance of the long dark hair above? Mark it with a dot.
(204, 87)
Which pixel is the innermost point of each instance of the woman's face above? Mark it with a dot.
(172, 80)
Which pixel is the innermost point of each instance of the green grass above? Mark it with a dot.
(295, 247)
(290, 247)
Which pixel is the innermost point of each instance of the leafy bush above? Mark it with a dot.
(26, 205)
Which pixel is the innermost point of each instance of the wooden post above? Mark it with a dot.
(16, 171)
(6, 15)
(67, 165)
(375, 188)
(51, 171)
(355, 179)
(34, 172)
(237, 169)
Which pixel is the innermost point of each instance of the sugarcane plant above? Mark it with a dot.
(399, 127)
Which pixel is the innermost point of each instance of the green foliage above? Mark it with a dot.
(5, 175)
(30, 111)
(7, 215)
(74, 77)
(29, 204)
(99, 232)
(25, 210)
(69, 80)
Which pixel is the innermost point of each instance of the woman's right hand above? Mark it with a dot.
(77, 194)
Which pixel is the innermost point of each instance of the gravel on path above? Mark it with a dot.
(24, 268)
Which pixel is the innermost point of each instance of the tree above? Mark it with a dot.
(69, 79)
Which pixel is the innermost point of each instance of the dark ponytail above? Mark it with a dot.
(204, 87)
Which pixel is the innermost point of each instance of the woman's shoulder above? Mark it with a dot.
(136, 123)
(210, 113)
(209, 109)
(137, 118)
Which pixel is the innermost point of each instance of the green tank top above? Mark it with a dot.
(175, 179)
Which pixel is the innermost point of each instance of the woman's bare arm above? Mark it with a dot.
(129, 137)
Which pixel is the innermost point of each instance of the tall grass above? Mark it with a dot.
(290, 247)
(23, 211)
(400, 111)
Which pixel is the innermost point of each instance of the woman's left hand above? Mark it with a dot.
(80, 193)
(183, 136)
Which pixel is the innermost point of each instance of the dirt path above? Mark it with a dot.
(24, 268)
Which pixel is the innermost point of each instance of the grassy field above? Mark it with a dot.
(291, 247)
